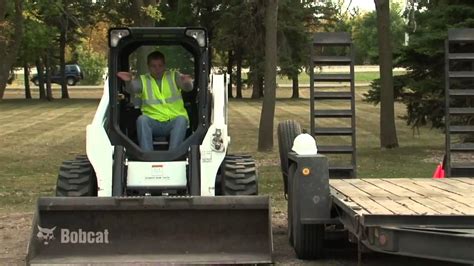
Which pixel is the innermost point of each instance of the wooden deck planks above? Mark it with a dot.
(461, 183)
(391, 188)
(367, 188)
(464, 196)
(401, 196)
(424, 188)
(467, 180)
(440, 207)
(434, 188)
(373, 206)
(348, 189)
(460, 207)
(454, 189)
(408, 196)
(394, 206)
(415, 206)
(349, 202)
(434, 200)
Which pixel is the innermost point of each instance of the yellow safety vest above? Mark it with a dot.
(162, 103)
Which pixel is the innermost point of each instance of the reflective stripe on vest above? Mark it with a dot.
(171, 106)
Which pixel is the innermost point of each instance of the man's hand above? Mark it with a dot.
(125, 76)
(186, 78)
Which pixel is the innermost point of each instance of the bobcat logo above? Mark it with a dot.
(45, 234)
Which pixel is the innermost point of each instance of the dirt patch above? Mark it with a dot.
(268, 162)
(15, 230)
(435, 156)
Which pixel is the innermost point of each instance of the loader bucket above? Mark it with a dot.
(151, 230)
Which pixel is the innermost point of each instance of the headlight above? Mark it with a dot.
(199, 35)
(117, 34)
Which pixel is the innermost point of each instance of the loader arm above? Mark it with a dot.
(98, 147)
(215, 144)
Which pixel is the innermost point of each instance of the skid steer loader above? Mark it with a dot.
(119, 204)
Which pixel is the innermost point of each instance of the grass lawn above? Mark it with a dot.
(36, 136)
(361, 77)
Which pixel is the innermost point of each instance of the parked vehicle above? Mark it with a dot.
(73, 75)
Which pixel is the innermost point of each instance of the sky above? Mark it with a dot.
(363, 5)
(367, 5)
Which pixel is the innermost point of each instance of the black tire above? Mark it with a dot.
(239, 176)
(36, 82)
(119, 171)
(76, 178)
(307, 239)
(71, 81)
(287, 132)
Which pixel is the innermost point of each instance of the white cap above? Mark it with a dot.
(304, 144)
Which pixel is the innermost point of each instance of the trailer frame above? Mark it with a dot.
(447, 237)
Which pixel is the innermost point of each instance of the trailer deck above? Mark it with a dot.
(406, 196)
(429, 218)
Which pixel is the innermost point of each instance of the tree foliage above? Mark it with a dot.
(67, 30)
(422, 87)
(11, 36)
(295, 20)
(364, 34)
(92, 64)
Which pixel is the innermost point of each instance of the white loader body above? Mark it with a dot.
(160, 174)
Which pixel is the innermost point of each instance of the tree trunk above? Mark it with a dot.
(49, 91)
(296, 90)
(265, 132)
(40, 71)
(26, 71)
(230, 62)
(3, 84)
(253, 74)
(260, 86)
(239, 74)
(9, 46)
(388, 131)
(62, 57)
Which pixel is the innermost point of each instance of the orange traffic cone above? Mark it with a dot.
(439, 172)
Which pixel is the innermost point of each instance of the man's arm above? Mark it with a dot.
(184, 82)
(131, 85)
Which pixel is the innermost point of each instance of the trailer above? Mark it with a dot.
(419, 217)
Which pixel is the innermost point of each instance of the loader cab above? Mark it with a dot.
(186, 51)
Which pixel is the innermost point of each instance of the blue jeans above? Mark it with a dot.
(147, 128)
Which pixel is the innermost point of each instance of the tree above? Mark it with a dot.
(36, 40)
(421, 89)
(73, 15)
(227, 38)
(255, 39)
(143, 16)
(294, 18)
(11, 35)
(232, 35)
(388, 131)
(364, 34)
(265, 134)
